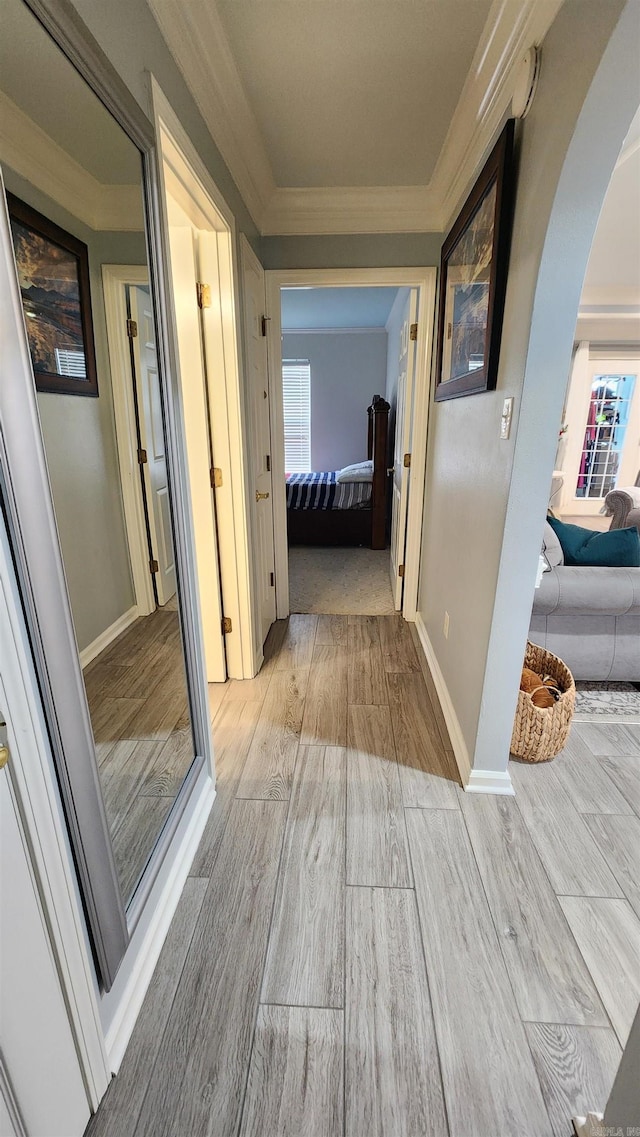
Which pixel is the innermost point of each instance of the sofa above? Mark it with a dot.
(589, 617)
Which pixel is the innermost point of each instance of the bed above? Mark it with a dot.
(323, 511)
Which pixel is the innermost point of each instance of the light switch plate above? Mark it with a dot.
(505, 421)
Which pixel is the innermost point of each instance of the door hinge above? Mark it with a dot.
(132, 329)
(263, 324)
(142, 456)
(227, 626)
(406, 461)
(413, 332)
(400, 570)
(203, 292)
(449, 330)
(215, 476)
(153, 566)
(268, 460)
(272, 579)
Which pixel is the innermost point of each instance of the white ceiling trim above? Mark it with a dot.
(352, 209)
(28, 150)
(512, 27)
(198, 42)
(199, 45)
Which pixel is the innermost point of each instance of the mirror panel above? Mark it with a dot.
(76, 205)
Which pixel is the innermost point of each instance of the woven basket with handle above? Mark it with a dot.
(539, 733)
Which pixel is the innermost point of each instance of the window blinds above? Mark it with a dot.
(296, 387)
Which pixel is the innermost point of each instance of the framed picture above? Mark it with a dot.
(53, 269)
(473, 280)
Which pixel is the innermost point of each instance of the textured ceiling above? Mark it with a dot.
(45, 86)
(356, 92)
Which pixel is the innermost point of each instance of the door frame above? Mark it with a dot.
(247, 257)
(225, 383)
(115, 279)
(424, 279)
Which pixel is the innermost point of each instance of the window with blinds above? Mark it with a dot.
(296, 388)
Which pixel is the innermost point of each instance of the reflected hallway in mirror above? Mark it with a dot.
(75, 196)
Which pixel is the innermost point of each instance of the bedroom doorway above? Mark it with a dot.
(349, 392)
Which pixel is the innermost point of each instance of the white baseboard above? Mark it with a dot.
(133, 993)
(92, 651)
(490, 782)
(473, 781)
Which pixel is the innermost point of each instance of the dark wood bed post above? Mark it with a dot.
(377, 445)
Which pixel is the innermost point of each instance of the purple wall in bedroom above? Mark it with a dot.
(347, 370)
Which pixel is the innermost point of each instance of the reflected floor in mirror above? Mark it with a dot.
(139, 711)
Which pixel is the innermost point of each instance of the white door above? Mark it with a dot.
(41, 1085)
(402, 445)
(193, 385)
(152, 442)
(258, 393)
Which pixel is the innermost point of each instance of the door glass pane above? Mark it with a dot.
(604, 435)
(76, 206)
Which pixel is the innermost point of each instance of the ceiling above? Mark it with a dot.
(353, 94)
(353, 116)
(335, 307)
(613, 272)
(60, 102)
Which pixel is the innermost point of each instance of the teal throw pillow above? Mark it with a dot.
(617, 548)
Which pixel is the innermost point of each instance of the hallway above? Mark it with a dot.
(364, 949)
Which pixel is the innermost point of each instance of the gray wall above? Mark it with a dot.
(356, 250)
(80, 444)
(485, 500)
(347, 369)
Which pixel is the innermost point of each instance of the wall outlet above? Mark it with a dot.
(505, 420)
(445, 626)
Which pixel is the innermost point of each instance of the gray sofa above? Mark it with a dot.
(590, 617)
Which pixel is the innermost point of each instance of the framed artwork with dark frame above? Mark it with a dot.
(473, 280)
(53, 270)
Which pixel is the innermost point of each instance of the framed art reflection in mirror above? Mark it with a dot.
(53, 270)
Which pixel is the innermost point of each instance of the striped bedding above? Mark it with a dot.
(323, 491)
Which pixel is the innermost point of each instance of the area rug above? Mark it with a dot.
(340, 582)
(607, 702)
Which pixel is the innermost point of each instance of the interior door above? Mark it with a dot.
(258, 391)
(402, 446)
(41, 1085)
(193, 384)
(152, 443)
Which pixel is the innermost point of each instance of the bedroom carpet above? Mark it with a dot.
(341, 582)
(607, 702)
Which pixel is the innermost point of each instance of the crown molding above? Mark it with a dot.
(512, 27)
(351, 209)
(198, 42)
(32, 154)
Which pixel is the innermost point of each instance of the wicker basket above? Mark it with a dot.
(539, 733)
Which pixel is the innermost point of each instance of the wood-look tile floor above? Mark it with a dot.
(137, 696)
(362, 949)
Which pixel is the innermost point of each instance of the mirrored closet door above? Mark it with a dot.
(94, 508)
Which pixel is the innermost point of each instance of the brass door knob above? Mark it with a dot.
(4, 756)
(261, 496)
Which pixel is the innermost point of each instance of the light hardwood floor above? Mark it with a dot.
(137, 696)
(362, 949)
